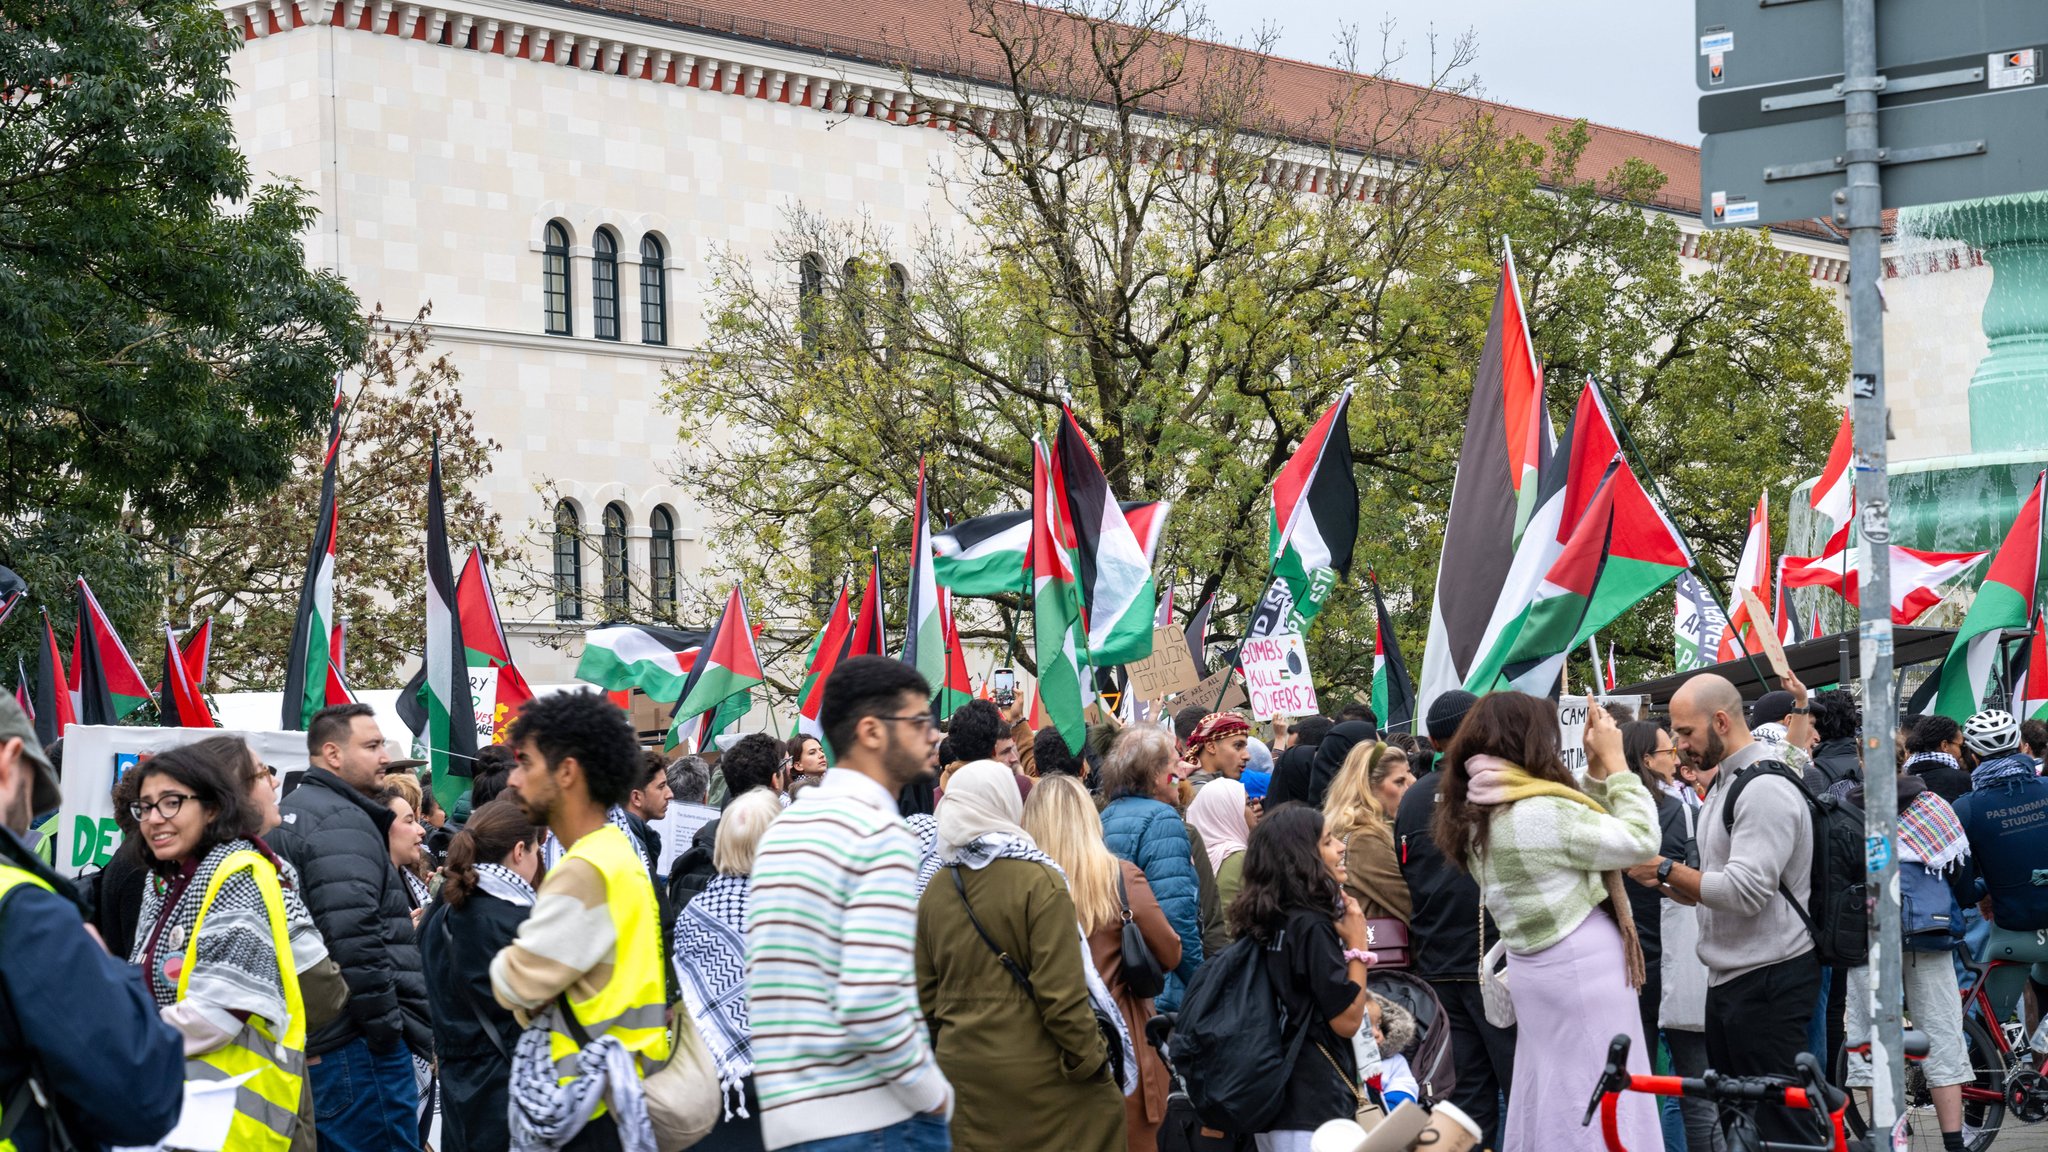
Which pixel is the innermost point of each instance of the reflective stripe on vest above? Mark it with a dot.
(12, 878)
(267, 1103)
(633, 1005)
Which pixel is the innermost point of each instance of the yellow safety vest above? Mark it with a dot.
(633, 1006)
(10, 879)
(267, 1103)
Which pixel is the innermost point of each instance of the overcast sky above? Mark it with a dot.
(1628, 63)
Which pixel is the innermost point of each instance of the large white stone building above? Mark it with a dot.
(553, 177)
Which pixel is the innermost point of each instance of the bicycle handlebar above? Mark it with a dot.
(1814, 1094)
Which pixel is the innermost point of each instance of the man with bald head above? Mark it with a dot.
(1762, 973)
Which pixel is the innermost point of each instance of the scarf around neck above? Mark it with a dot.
(711, 970)
(1492, 781)
(1930, 833)
(2009, 768)
(235, 967)
(507, 885)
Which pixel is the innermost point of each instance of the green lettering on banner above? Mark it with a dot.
(110, 839)
(93, 841)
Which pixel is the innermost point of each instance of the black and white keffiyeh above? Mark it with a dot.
(235, 966)
(507, 885)
(545, 1115)
(926, 828)
(711, 969)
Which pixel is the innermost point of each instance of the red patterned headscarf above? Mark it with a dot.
(1216, 726)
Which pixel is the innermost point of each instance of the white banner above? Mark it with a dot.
(1571, 724)
(1276, 676)
(96, 756)
(483, 703)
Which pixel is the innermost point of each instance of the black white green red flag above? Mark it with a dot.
(108, 684)
(827, 649)
(339, 690)
(2030, 687)
(451, 716)
(1055, 609)
(870, 632)
(182, 703)
(306, 668)
(650, 657)
(727, 667)
(2005, 600)
(924, 630)
(1113, 569)
(1312, 518)
(955, 687)
(1393, 693)
(53, 710)
(483, 636)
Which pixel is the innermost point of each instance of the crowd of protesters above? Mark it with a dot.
(909, 936)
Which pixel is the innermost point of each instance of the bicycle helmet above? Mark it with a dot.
(1992, 732)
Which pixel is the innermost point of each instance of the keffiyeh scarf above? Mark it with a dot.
(926, 827)
(235, 968)
(2003, 770)
(545, 1115)
(711, 968)
(505, 884)
(616, 815)
(1930, 833)
(983, 850)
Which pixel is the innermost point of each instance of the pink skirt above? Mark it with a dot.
(1571, 1000)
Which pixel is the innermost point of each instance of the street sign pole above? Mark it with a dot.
(1864, 204)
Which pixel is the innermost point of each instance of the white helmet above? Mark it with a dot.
(1992, 732)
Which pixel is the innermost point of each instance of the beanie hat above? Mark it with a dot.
(1446, 712)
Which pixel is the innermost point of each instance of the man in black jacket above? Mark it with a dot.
(335, 835)
(1445, 937)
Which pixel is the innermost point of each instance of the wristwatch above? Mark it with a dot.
(1664, 870)
(1802, 710)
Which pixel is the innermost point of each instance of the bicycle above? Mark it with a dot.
(2007, 1080)
(1737, 1096)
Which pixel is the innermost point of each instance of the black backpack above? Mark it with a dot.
(1836, 917)
(1232, 1043)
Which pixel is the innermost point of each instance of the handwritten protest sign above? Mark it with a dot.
(1210, 693)
(1571, 724)
(1276, 676)
(1169, 669)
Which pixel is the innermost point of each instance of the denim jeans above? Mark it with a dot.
(365, 1101)
(924, 1132)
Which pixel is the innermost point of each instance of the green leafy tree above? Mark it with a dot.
(1134, 242)
(165, 346)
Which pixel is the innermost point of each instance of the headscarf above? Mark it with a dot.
(1262, 756)
(1213, 727)
(1290, 776)
(978, 825)
(1330, 757)
(1218, 814)
(1255, 784)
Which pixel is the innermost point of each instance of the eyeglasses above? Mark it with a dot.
(166, 805)
(921, 719)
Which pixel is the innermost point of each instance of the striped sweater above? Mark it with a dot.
(838, 1038)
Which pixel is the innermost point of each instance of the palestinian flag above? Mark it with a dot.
(924, 630)
(827, 649)
(1393, 693)
(1917, 577)
(1570, 472)
(1495, 466)
(656, 660)
(1622, 551)
(483, 635)
(984, 556)
(97, 651)
(13, 590)
(2030, 687)
(197, 654)
(306, 671)
(1118, 596)
(1056, 610)
(2005, 600)
(870, 627)
(727, 667)
(53, 711)
(182, 704)
(1312, 524)
(955, 687)
(451, 716)
(1523, 407)
(1197, 635)
(23, 694)
(1613, 669)
(339, 691)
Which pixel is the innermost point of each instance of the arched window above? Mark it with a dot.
(554, 279)
(604, 284)
(810, 293)
(614, 562)
(854, 294)
(899, 311)
(568, 563)
(661, 557)
(653, 291)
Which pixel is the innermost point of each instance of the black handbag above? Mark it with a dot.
(1143, 976)
(1112, 1032)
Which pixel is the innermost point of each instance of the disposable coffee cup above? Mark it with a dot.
(1450, 1130)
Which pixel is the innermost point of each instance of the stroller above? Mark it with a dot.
(1183, 1130)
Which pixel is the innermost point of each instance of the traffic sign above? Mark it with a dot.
(1745, 43)
(1934, 151)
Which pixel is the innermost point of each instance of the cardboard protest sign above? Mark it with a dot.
(1169, 669)
(483, 703)
(1766, 635)
(1206, 693)
(1571, 724)
(95, 756)
(1276, 676)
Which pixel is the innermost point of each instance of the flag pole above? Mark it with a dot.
(1629, 446)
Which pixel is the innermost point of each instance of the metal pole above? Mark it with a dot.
(1880, 710)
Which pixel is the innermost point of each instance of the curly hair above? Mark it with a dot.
(1283, 871)
(213, 780)
(1520, 729)
(750, 763)
(590, 728)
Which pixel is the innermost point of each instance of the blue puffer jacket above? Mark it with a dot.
(1150, 835)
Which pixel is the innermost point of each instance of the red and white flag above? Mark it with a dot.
(1917, 577)
(1754, 573)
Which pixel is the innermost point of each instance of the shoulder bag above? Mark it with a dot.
(1112, 1037)
(1493, 978)
(682, 1094)
(1143, 976)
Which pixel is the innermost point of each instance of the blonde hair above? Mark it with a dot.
(1060, 816)
(739, 830)
(406, 784)
(1351, 801)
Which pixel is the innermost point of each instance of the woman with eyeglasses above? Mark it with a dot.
(215, 940)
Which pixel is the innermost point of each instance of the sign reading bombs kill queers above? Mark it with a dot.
(1276, 676)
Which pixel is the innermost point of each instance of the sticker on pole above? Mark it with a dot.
(1276, 676)
(1716, 40)
(1734, 210)
(2012, 69)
